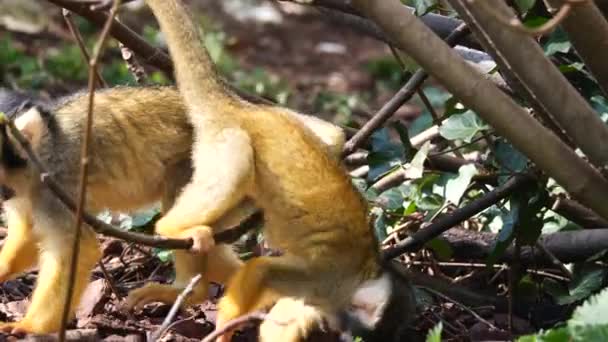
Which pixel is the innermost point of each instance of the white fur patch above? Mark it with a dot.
(31, 125)
(370, 300)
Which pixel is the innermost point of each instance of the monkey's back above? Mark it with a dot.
(137, 133)
(309, 201)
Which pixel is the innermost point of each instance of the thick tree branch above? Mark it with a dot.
(588, 31)
(344, 11)
(567, 246)
(536, 72)
(401, 97)
(508, 119)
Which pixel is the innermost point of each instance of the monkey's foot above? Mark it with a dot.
(202, 238)
(22, 327)
(155, 292)
(291, 319)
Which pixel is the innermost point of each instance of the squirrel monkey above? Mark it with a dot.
(313, 213)
(140, 154)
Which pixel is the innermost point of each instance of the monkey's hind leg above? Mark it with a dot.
(217, 265)
(46, 308)
(261, 282)
(19, 252)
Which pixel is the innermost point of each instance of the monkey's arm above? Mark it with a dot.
(223, 176)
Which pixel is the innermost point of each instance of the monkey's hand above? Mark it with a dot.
(202, 236)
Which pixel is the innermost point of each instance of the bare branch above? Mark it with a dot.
(588, 31)
(84, 159)
(401, 97)
(496, 108)
(67, 15)
(529, 64)
(424, 235)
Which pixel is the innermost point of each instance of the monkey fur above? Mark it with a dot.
(313, 213)
(140, 154)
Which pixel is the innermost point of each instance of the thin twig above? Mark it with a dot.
(109, 279)
(554, 260)
(401, 97)
(67, 16)
(444, 223)
(136, 69)
(256, 316)
(175, 308)
(84, 159)
(462, 306)
(133, 65)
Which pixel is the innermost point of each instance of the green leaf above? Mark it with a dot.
(457, 186)
(391, 199)
(462, 127)
(384, 155)
(509, 158)
(442, 248)
(506, 233)
(590, 321)
(380, 224)
(165, 255)
(430, 202)
(424, 6)
(524, 5)
(434, 334)
(558, 42)
(553, 335)
(404, 136)
(586, 281)
(415, 168)
(534, 21)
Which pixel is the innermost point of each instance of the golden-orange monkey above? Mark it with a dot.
(248, 151)
(141, 148)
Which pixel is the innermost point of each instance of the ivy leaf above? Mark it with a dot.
(422, 7)
(462, 126)
(442, 248)
(415, 168)
(380, 223)
(506, 234)
(524, 5)
(589, 321)
(165, 255)
(585, 282)
(457, 186)
(558, 42)
(384, 155)
(553, 335)
(391, 199)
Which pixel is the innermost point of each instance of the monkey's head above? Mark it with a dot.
(381, 308)
(28, 115)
